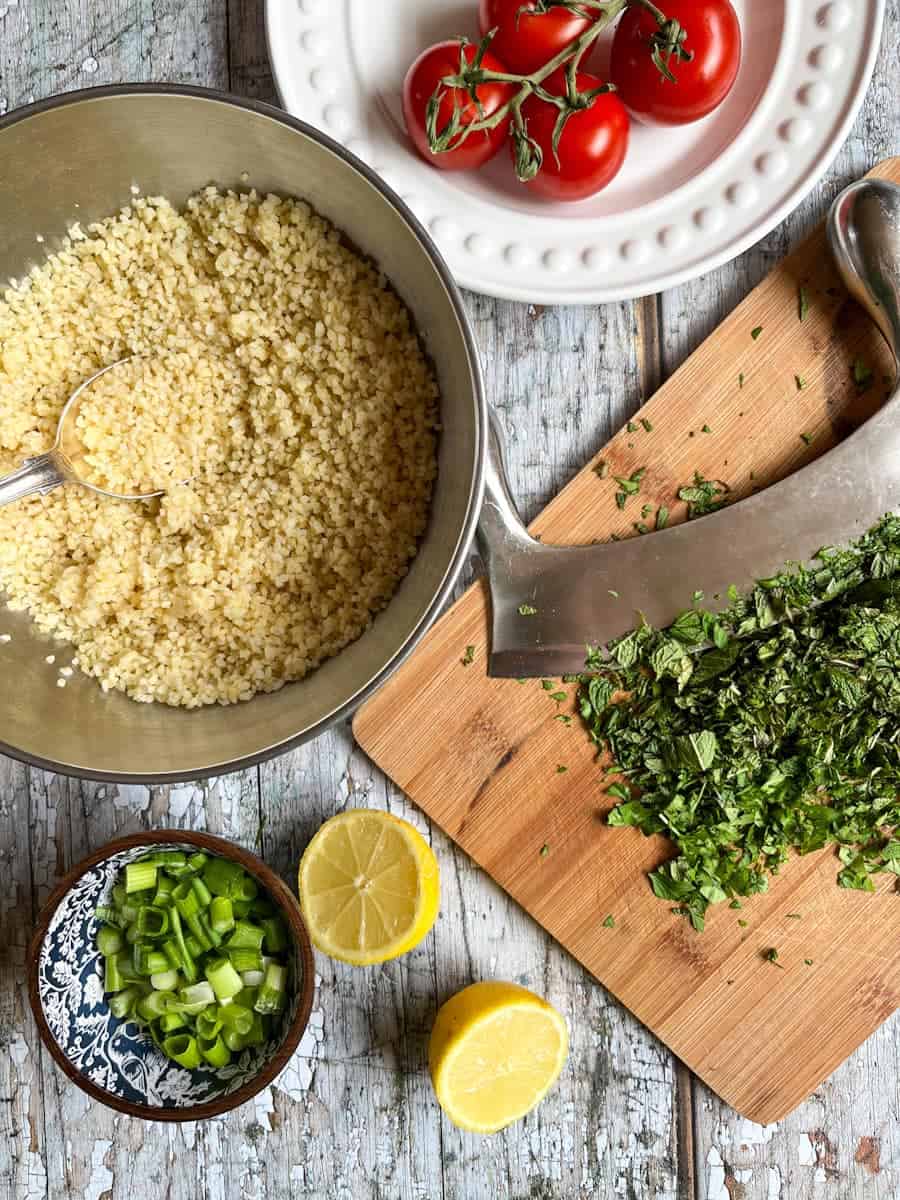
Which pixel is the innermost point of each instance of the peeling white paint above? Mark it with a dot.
(715, 1176)
(101, 1179)
(180, 799)
(773, 1181)
(751, 1134)
(806, 1150)
(133, 796)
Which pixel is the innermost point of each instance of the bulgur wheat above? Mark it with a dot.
(280, 372)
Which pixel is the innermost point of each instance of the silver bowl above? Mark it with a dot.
(88, 149)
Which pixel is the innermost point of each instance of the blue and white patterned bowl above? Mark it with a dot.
(109, 1057)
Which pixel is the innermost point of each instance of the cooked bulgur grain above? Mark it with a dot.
(287, 377)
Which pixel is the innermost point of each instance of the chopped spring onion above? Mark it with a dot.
(246, 936)
(222, 876)
(275, 935)
(221, 914)
(271, 996)
(121, 1004)
(215, 1052)
(194, 954)
(164, 889)
(183, 1049)
(112, 978)
(139, 876)
(109, 940)
(152, 922)
(148, 961)
(235, 1016)
(245, 959)
(165, 981)
(209, 1023)
(154, 1004)
(201, 891)
(234, 1041)
(226, 982)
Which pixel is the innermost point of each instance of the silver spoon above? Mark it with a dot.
(45, 472)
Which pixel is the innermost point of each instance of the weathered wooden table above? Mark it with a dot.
(354, 1117)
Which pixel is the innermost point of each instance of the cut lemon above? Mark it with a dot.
(496, 1049)
(369, 887)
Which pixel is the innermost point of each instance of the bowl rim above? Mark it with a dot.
(466, 533)
(288, 904)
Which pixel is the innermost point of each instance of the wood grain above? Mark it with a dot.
(505, 779)
(353, 1117)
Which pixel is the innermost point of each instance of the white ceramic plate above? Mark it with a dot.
(686, 200)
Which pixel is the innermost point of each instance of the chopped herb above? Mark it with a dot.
(662, 517)
(795, 916)
(741, 384)
(521, 681)
(469, 657)
(703, 495)
(545, 850)
(602, 468)
(548, 685)
(862, 373)
(571, 679)
(642, 527)
(780, 737)
(802, 303)
(559, 697)
(743, 924)
(610, 922)
(646, 424)
(564, 717)
(808, 438)
(800, 382)
(631, 427)
(735, 904)
(613, 593)
(706, 429)
(561, 770)
(808, 962)
(621, 499)
(754, 333)
(697, 597)
(632, 485)
(527, 610)
(771, 955)
(646, 510)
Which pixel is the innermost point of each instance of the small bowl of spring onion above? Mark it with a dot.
(171, 975)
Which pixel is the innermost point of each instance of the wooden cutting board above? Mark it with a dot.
(480, 755)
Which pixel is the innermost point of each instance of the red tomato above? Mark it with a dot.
(713, 37)
(424, 76)
(592, 146)
(527, 42)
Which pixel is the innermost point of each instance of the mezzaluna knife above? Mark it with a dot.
(550, 602)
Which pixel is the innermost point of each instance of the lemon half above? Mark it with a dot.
(496, 1049)
(369, 887)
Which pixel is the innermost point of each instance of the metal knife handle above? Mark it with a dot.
(37, 476)
(501, 532)
(864, 235)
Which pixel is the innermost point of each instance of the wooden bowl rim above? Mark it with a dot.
(279, 892)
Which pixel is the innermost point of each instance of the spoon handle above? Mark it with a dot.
(38, 475)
